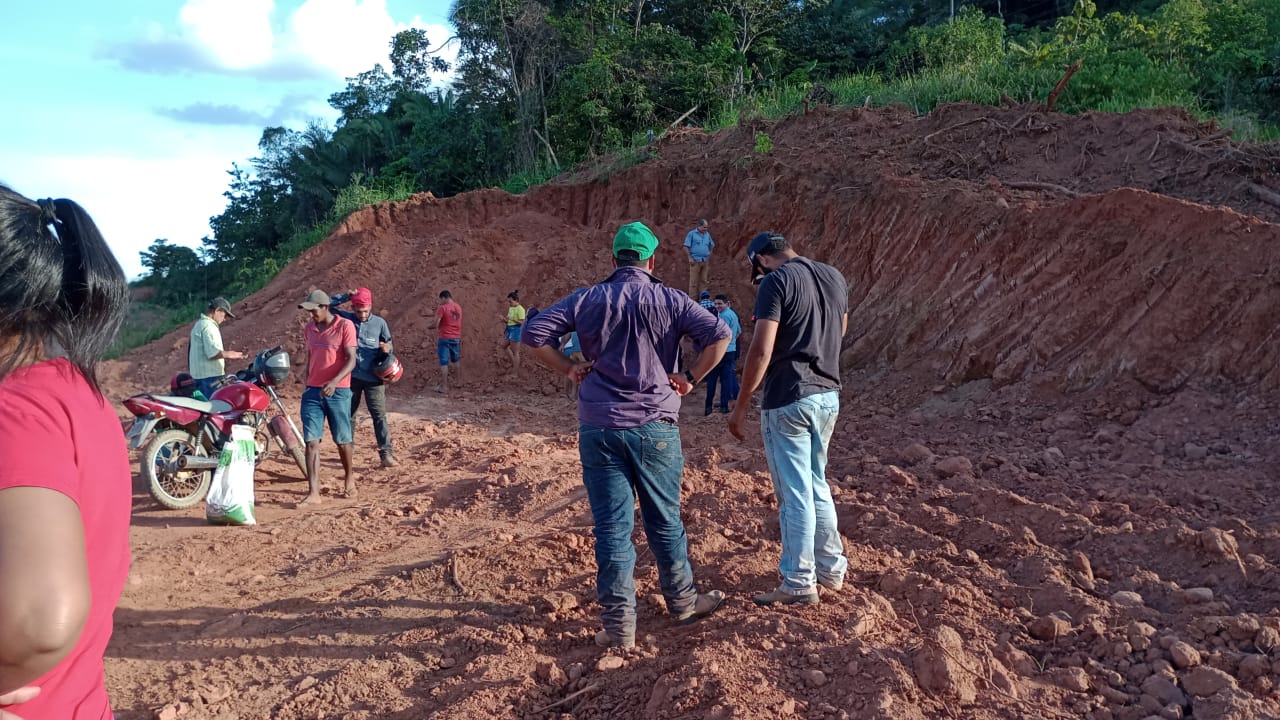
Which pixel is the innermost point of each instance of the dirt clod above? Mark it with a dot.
(1204, 681)
(940, 666)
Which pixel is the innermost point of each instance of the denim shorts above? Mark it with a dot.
(513, 332)
(316, 408)
(448, 351)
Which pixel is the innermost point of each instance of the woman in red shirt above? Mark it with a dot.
(65, 480)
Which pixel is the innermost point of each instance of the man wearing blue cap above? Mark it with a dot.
(629, 328)
(802, 310)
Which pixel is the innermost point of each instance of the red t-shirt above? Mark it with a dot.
(450, 316)
(328, 351)
(56, 433)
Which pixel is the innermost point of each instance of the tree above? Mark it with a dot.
(366, 94)
(164, 260)
(509, 52)
(757, 19)
(413, 61)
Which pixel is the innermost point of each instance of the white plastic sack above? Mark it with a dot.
(230, 500)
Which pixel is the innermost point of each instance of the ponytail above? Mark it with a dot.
(60, 285)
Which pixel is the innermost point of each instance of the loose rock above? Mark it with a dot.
(1184, 656)
(955, 465)
(814, 678)
(1127, 598)
(1204, 681)
(1195, 596)
(1164, 691)
(938, 670)
(609, 662)
(1048, 628)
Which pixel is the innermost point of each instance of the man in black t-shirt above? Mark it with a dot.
(802, 310)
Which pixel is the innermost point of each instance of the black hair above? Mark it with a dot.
(59, 283)
(629, 258)
(514, 295)
(722, 297)
(777, 244)
(445, 294)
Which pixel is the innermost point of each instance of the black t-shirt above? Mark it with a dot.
(809, 300)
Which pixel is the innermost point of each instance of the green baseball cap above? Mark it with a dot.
(637, 238)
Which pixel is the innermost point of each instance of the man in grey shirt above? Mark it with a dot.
(802, 310)
(373, 338)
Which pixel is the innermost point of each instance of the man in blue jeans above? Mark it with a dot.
(725, 375)
(630, 327)
(373, 344)
(802, 310)
(331, 356)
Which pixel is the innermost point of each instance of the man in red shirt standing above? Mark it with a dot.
(331, 356)
(449, 342)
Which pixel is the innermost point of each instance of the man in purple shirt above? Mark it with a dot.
(630, 327)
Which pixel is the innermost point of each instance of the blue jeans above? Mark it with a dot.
(448, 351)
(205, 386)
(316, 408)
(375, 399)
(619, 466)
(724, 375)
(796, 437)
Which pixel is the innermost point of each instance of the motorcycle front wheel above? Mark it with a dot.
(169, 484)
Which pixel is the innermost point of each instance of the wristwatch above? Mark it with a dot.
(688, 374)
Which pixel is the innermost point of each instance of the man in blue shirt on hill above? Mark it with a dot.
(698, 245)
(630, 327)
(724, 375)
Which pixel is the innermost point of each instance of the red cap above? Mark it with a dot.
(362, 298)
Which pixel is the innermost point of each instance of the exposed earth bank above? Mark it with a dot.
(1054, 466)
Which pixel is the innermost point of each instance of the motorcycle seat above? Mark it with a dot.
(204, 406)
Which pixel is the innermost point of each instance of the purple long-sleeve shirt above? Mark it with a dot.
(630, 326)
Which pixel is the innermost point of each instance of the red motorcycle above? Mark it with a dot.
(184, 435)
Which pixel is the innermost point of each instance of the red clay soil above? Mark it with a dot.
(1054, 466)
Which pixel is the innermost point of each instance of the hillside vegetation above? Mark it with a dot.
(542, 86)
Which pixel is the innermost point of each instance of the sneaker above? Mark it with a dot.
(389, 460)
(724, 411)
(832, 585)
(704, 605)
(605, 640)
(785, 598)
(707, 412)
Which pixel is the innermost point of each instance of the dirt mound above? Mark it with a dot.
(1054, 466)
(958, 270)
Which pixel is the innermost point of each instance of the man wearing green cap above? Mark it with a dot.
(629, 327)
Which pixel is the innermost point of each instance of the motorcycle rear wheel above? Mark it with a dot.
(171, 486)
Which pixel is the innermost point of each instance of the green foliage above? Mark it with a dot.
(542, 85)
(763, 144)
(148, 321)
(970, 40)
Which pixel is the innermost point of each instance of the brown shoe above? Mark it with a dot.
(704, 605)
(785, 598)
(605, 640)
(832, 585)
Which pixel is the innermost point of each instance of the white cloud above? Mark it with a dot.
(341, 37)
(237, 33)
(134, 200)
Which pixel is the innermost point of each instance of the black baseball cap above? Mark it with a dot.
(221, 303)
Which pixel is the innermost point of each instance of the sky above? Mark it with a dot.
(136, 109)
